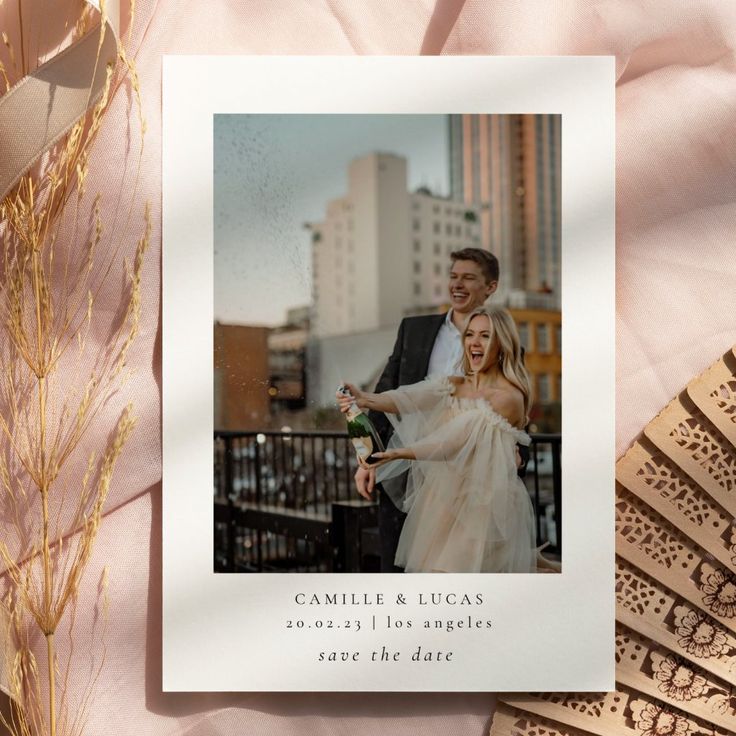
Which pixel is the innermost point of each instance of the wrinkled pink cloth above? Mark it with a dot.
(676, 271)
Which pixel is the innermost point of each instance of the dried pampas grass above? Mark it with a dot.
(54, 382)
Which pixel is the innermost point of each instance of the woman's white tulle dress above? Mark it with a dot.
(468, 511)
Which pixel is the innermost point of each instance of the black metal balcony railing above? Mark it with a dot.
(285, 501)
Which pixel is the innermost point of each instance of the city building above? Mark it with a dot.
(241, 377)
(382, 252)
(508, 166)
(540, 331)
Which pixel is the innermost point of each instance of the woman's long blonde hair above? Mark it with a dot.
(510, 359)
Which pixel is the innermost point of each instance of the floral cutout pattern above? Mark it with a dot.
(654, 720)
(625, 712)
(683, 494)
(638, 593)
(633, 592)
(719, 587)
(649, 474)
(657, 677)
(678, 679)
(699, 635)
(685, 629)
(651, 534)
(725, 398)
(538, 726)
(649, 717)
(706, 447)
(590, 704)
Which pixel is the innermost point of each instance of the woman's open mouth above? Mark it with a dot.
(476, 357)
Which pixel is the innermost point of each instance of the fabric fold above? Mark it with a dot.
(43, 106)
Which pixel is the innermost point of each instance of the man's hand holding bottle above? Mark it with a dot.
(347, 396)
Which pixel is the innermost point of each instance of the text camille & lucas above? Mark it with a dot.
(379, 599)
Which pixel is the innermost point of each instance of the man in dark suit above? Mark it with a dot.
(427, 345)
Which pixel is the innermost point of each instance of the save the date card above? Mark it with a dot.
(388, 373)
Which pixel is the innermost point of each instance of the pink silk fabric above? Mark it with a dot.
(676, 271)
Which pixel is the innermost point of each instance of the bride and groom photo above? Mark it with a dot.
(436, 309)
(451, 407)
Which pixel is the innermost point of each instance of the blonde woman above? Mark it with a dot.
(468, 511)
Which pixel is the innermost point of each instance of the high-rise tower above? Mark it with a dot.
(509, 167)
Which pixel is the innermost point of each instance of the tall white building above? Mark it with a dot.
(382, 252)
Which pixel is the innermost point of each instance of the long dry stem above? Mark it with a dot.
(47, 307)
(51, 657)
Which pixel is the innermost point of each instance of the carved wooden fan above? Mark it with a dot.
(675, 582)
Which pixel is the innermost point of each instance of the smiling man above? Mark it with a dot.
(427, 345)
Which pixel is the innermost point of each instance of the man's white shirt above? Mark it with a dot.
(447, 352)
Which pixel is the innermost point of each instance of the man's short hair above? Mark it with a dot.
(485, 259)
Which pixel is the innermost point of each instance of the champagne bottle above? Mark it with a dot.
(361, 431)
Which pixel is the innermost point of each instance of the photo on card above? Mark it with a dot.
(365, 386)
(354, 249)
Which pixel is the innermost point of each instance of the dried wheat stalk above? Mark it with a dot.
(50, 283)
